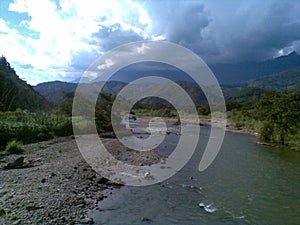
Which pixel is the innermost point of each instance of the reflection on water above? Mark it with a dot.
(246, 184)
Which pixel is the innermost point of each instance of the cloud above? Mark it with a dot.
(70, 34)
(256, 33)
(3, 27)
(108, 63)
(228, 31)
(60, 39)
(182, 22)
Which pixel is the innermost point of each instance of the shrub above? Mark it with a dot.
(14, 147)
(63, 127)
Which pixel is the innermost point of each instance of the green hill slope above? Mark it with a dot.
(16, 93)
(289, 79)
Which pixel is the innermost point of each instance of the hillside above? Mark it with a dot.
(250, 90)
(16, 93)
(289, 79)
(55, 91)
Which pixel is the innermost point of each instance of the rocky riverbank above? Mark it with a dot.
(55, 185)
(52, 184)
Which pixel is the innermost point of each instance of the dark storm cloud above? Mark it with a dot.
(218, 31)
(229, 31)
(183, 22)
(258, 33)
(113, 36)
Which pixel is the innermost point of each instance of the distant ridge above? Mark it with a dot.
(54, 91)
(289, 79)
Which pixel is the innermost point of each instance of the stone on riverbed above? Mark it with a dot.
(19, 163)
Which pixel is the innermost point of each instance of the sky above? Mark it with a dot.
(47, 40)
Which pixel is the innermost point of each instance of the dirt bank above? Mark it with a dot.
(55, 185)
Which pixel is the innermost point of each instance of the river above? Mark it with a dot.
(246, 184)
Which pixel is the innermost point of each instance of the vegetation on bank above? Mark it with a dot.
(27, 117)
(274, 115)
(14, 147)
(29, 127)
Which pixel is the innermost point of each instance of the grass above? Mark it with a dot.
(30, 127)
(14, 147)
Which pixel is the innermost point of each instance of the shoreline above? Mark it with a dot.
(55, 185)
(207, 122)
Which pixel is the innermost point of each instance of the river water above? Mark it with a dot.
(246, 184)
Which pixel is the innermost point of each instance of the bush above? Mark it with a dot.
(32, 127)
(14, 147)
(63, 127)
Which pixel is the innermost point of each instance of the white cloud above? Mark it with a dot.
(142, 49)
(65, 32)
(3, 27)
(108, 63)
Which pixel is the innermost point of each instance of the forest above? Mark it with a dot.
(275, 116)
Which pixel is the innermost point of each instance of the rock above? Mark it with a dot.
(52, 174)
(100, 197)
(79, 201)
(88, 201)
(2, 212)
(18, 164)
(91, 176)
(262, 143)
(144, 219)
(16, 222)
(87, 221)
(108, 135)
(43, 180)
(101, 180)
(114, 184)
(33, 207)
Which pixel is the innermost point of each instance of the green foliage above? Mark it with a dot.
(289, 79)
(249, 94)
(203, 110)
(16, 93)
(32, 127)
(276, 117)
(102, 112)
(14, 147)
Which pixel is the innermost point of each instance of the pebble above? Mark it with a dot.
(87, 221)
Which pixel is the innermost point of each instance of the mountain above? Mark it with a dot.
(226, 74)
(241, 72)
(16, 93)
(289, 79)
(251, 90)
(55, 91)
